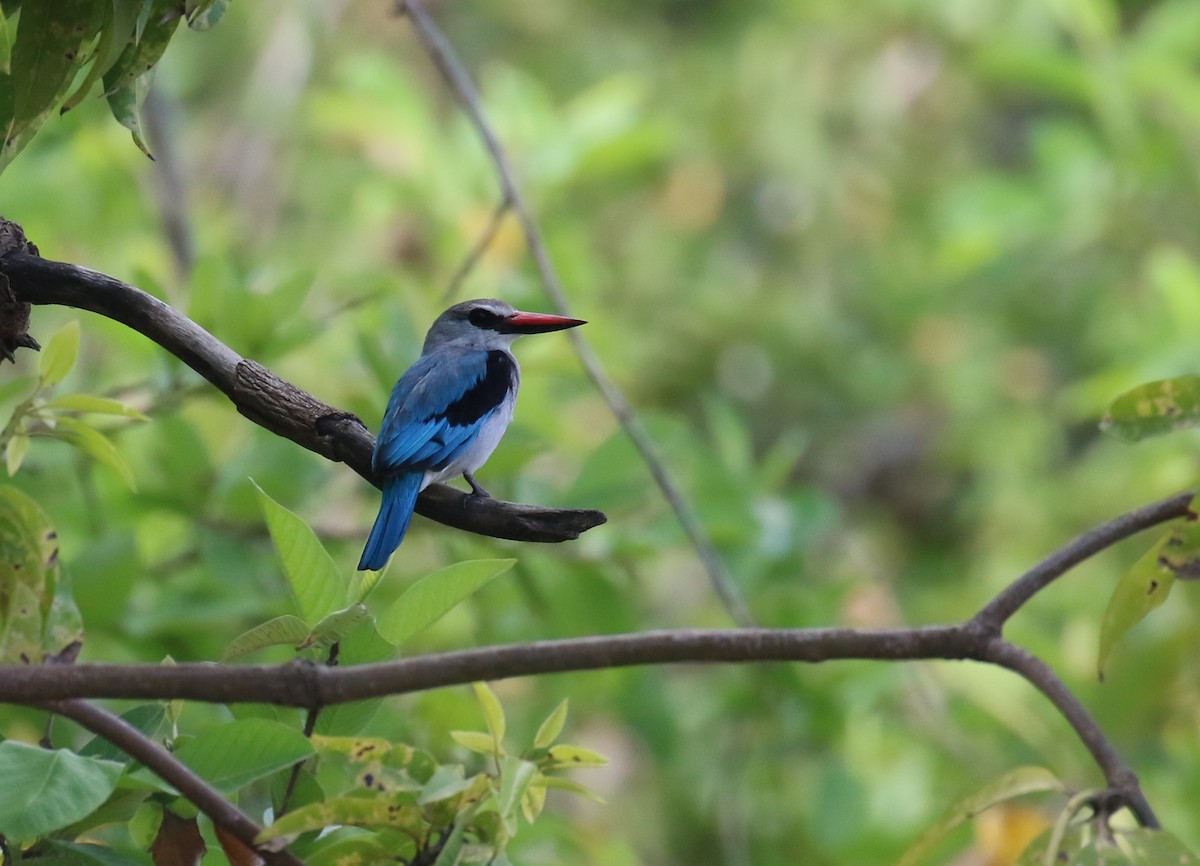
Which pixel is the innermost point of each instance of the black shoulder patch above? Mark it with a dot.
(486, 394)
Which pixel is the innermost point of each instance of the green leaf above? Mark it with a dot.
(206, 13)
(147, 718)
(116, 33)
(48, 789)
(1015, 783)
(1148, 847)
(431, 597)
(286, 629)
(59, 852)
(58, 358)
(516, 775)
(552, 727)
(476, 741)
(565, 755)
(362, 645)
(336, 626)
(42, 62)
(1081, 845)
(1154, 408)
(63, 626)
(21, 637)
(493, 712)
(534, 801)
(571, 786)
(91, 404)
(395, 813)
(235, 754)
(446, 781)
(1147, 584)
(128, 81)
(310, 571)
(93, 443)
(14, 455)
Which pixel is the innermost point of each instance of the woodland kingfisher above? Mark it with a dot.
(447, 413)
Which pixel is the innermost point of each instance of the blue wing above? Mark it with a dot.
(438, 407)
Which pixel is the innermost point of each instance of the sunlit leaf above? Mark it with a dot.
(1147, 584)
(397, 814)
(552, 727)
(476, 741)
(533, 802)
(431, 597)
(493, 712)
(1154, 408)
(565, 755)
(1015, 783)
(14, 455)
(315, 581)
(47, 789)
(286, 629)
(58, 358)
(572, 786)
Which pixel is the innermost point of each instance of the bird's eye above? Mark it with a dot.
(482, 318)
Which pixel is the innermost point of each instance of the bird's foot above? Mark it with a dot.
(475, 488)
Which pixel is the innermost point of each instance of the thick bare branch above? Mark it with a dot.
(271, 402)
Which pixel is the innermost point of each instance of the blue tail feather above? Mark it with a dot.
(399, 499)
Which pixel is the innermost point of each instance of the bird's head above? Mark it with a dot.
(491, 324)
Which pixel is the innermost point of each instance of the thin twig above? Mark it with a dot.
(1008, 601)
(477, 249)
(170, 769)
(446, 59)
(310, 725)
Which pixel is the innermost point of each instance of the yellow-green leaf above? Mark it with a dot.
(1147, 584)
(493, 713)
(60, 353)
(393, 813)
(552, 727)
(286, 629)
(315, 581)
(427, 600)
(476, 741)
(14, 455)
(565, 755)
(1154, 408)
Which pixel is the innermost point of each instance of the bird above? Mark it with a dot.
(447, 413)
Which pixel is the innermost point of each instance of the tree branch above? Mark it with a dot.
(998, 610)
(171, 770)
(446, 60)
(271, 402)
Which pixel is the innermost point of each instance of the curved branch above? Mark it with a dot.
(171, 770)
(273, 403)
(1121, 779)
(1008, 601)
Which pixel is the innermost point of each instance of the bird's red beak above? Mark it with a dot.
(540, 323)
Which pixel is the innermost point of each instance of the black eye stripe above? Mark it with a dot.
(483, 318)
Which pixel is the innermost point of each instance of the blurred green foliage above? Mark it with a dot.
(871, 271)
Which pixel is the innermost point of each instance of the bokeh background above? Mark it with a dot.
(869, 271)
